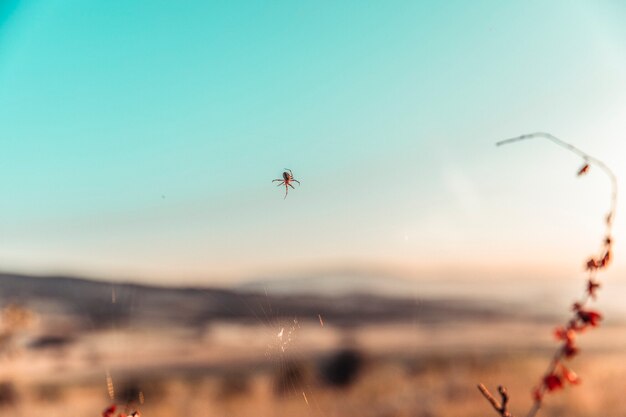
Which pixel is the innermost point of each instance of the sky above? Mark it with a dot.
(139, 139)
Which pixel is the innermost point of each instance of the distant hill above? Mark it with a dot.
(98, 304)
(534, 296)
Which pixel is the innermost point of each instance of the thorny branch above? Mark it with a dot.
(557, 374)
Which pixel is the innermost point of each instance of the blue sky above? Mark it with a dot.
(139, 139)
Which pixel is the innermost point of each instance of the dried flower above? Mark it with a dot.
(569, 375)
(110, 411)
(570, 350)
(583, 170)
(592, 287)
(553, 382)
(590, 317)
(606, 259)
(592, 264)
(564, 334)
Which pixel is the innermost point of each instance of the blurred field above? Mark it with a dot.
(274, 357)
(234, 370)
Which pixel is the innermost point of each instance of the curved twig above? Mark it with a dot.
(557, 373)
(586, 157)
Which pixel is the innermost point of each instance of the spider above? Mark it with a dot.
(286, 181)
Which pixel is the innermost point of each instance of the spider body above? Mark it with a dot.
(287, 181)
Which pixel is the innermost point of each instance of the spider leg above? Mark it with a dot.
(279, 184)
(277, 180)
(292, 186)
(286, 191)
(295, 181)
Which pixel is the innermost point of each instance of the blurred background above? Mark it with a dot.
(148, 260)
